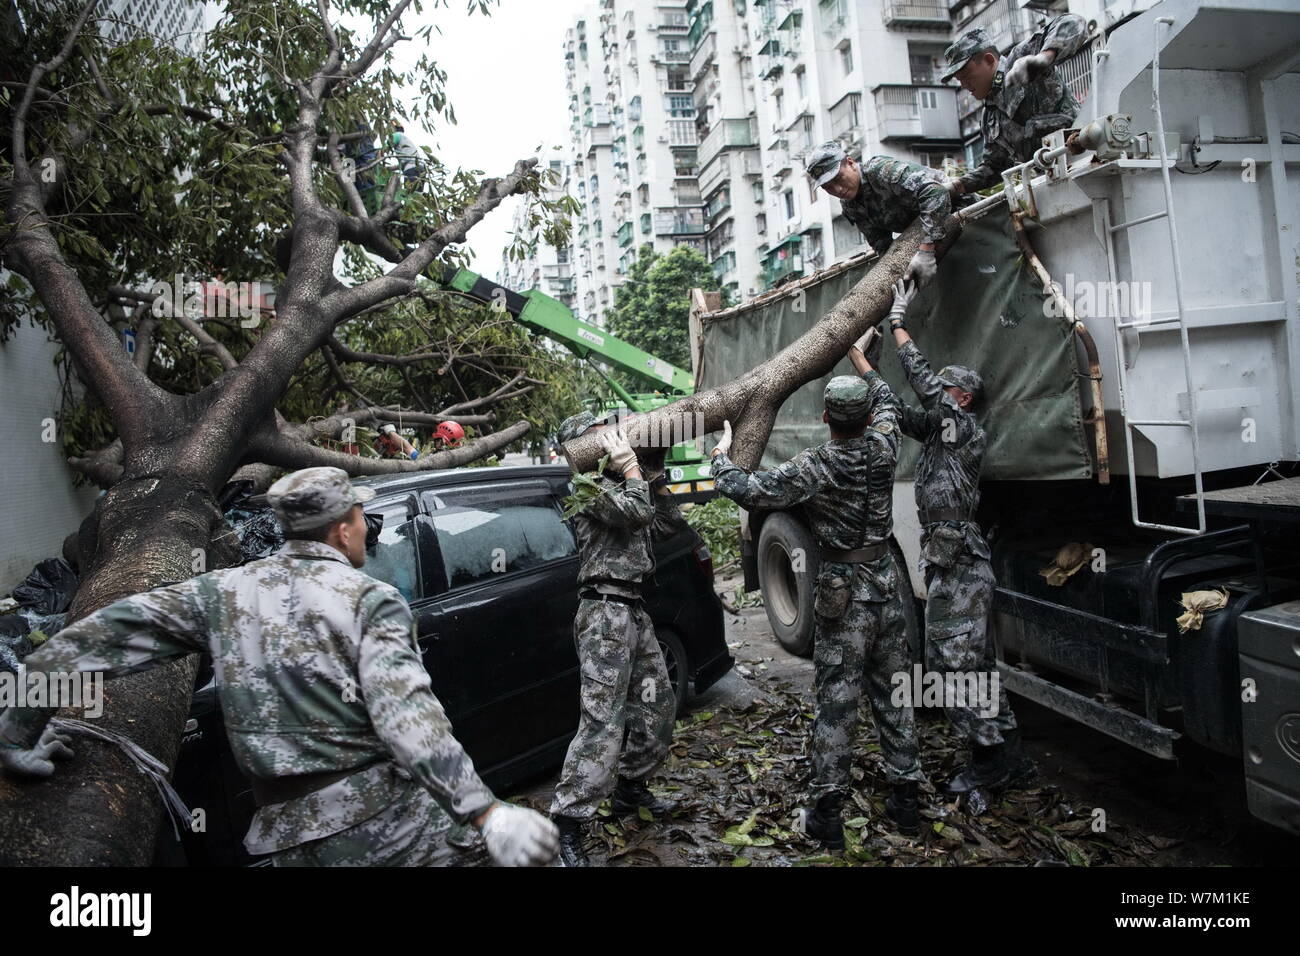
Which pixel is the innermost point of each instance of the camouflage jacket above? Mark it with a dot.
(845, 485)
(892, 194)
(1016, 118)
(948, 470)
(317, 670)
(615, 533)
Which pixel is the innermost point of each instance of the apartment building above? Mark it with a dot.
(633, 142)
(548, 268)
(182, 23)
(768, 80)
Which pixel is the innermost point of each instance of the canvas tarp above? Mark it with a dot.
(984, 310)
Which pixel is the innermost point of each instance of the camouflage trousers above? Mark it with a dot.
(863, 649)
(410, 831)
(957, 641)
(625, 692)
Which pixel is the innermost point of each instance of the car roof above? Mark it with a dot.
(441, 477)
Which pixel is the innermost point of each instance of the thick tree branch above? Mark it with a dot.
(751, 402)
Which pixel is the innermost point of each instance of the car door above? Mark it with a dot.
(498, 632)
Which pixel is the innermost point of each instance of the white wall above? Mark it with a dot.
(38, 505)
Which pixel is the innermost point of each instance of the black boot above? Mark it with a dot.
(984, 769)
(571, 833)
(993, 766)
(1020, 767)
(902, 806)
(630, 795)
(823, 821)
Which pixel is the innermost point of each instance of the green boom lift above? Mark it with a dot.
(688, 471)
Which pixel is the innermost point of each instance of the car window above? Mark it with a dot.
(484, 531)
(394, 559)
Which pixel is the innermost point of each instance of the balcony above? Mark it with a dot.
(724, 265)
(679, 222)
(716, 173)
(751, 163)
(785, 260)
(1004, 21)
(645, 224)
(727, 133)
(596, 136)
(701, 20)
(917, 13)
(915, 113)
(674, 23)
(720, 204)
(674, 56)
(703, 56)
(681, 133)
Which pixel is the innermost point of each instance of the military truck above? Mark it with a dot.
(1133, 311)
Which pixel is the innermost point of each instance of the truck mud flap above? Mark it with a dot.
(1123, 725)
(1268, 644)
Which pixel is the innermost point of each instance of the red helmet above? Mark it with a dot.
(450, 432)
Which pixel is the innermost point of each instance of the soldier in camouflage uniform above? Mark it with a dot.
(1024, 98)
(958, 575)
(882, 196)
(625, 686)
(327, 703)
(846, 488)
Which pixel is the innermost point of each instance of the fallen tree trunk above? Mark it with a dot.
(751, 402)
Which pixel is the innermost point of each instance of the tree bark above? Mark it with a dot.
(752, 401)
(146, 530)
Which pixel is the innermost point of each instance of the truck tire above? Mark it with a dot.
(787, 594)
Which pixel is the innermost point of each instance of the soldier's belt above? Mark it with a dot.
(602, 596)
(933, 515)
(283, 789)
(857, 556)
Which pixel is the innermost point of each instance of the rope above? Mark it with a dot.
(145, 762)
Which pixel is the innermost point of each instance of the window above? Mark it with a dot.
(777, 99)
(681, 106)
(846, 58)
(789, 203)
(801, 78)
(807, 132)
(929, 99)
(496, 529)
(395, 559)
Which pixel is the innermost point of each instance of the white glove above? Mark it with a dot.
(616, 445)
(724, 443)
(869, 345)
(37, 761)
(904, 291)
(517, 836)
(922, 267)
(1028, 68)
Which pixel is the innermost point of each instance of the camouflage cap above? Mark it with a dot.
(575, 425)
(824, 162)
(963, 48)
(848, 400)
(967, 379)
(313, 497)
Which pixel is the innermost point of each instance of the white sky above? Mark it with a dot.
(505, 80)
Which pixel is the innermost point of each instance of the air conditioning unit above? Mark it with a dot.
(663, 139)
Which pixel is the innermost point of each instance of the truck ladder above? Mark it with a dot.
(1121, 356)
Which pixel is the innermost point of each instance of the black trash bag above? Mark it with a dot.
(234, 493)
(260, 534)
(14, 643)
(50, 587)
